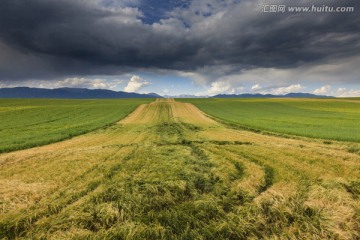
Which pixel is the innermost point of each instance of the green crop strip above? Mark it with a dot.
(335, 119)
(30, 123)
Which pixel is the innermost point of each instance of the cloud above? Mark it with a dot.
(288, 89)
(256, 88)
(90, 83)
(85, 83)
(135, 84)
(64, 38)
(323, 90)
(340, 92)
(340, 72)
(220, 87)
(223, 87)
(343, 92)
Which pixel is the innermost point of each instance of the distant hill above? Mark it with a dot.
(258, 95)
(74, 93)
(184, 96)
(154, 95)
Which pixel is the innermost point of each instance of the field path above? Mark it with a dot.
(167, 171)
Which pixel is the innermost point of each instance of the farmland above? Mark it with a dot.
(167, 171)
(29, 123)
(336, 119)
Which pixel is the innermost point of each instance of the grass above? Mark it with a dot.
(168, 172)
(30, 123)
(335, 119)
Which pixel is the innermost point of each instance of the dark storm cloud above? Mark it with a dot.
(53, 38)
(79, 38)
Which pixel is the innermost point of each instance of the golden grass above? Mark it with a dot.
(169, 172)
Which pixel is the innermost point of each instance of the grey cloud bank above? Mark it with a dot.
(209, 40)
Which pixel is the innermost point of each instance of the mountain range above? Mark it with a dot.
(184, 96)
(83, 93)
(74, 93)
(258, 95)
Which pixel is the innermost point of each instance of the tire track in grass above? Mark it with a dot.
(166, 195)
(250, 177)
(269, 171)
(270, 163)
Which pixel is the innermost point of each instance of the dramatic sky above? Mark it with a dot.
(202, 47)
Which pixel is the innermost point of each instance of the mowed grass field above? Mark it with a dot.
(167, 171)
(27, 123)
(336, 119)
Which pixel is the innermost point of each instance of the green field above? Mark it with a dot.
(336, 119)
(27, 123)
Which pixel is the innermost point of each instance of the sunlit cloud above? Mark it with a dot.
(135, 84)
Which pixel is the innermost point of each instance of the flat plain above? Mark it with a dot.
(336, 119)
(26, 123)
(168, 171)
